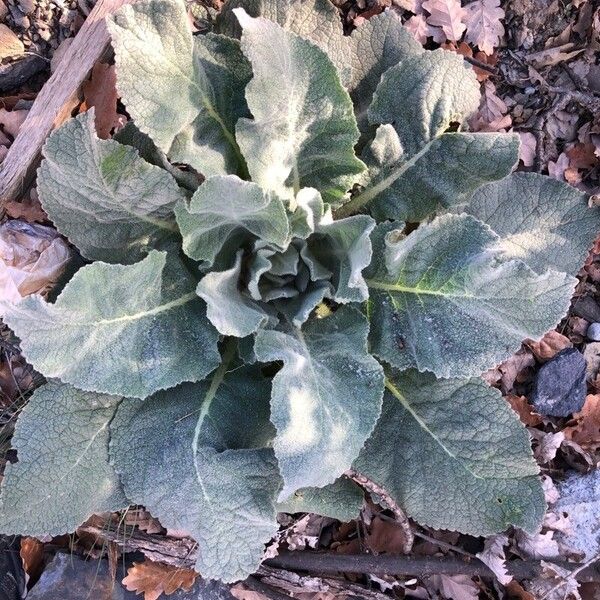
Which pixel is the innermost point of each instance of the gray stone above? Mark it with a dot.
(69, 577)
(591, 354)
(586, 308)
(27, 6)
(560, 387)
(12, 576)
(580, 500)
(593, 332)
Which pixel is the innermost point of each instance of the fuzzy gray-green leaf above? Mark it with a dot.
(379, 43)
(326, 398)
(454, 455)
(185, 92)
(304, 135)
(544, 222)
(63, 474)
(315, 20)
(427, 167)
(222, 493)
(127, 330)
(443, 300)
(224, 214)
(112, 204)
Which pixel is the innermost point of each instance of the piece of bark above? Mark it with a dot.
(15, 74)
(55, 101)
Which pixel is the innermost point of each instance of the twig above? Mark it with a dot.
(182, 553)
(414, 566)
(401, 518)
(294, 583)
(481, 65)
(572, 575)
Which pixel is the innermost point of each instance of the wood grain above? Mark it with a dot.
(55, 101)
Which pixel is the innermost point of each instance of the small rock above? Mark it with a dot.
(591, 354)
(3, 10)
(69, 577)
(10, 44)
(27, 6)
(12, 576)
(593, 332)
(22, 21)
(560, 386)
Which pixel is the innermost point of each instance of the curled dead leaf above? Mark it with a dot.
(552, 343)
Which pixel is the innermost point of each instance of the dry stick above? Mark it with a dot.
(257, 585)
(413, 566)
(572, 575)
(55, 101)
(401, 518)
(182, 553)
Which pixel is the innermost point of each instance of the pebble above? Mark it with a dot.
(593, 332)
(3, 10)
(560, 387)
(12, 577)
(27, 6)
(68, 577)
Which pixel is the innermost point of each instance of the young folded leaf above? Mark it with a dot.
(196, 457)
(63, 474)
(224, 214)
(127, 330)
(454, 455)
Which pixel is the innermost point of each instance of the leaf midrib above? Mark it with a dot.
(406, 405)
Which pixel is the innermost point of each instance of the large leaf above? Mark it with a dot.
(185, 92)
(304, 135)
(326, 398)
(417, 166)
(195, 457)
(224, 214)
(108, 201)
(379, 43)
(315, 20)
(63, 474)
(126, 330)
(454, 455)
(443, 300)
(544, 222)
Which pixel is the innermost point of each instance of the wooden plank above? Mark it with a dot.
(55, 101)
